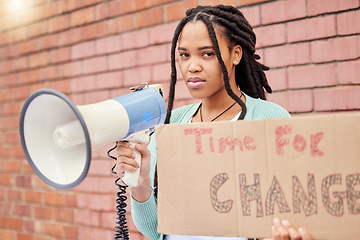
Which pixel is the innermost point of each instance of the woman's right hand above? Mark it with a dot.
(126, 162)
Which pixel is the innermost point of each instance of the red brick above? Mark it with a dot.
(316, 7)
(314, 28)
(14, 195)
(93, 65)
(287, 55)
(59, 55)
(270, 35)
(63, 215)
(17, 35)
(33, 197)
(71, 69)
(106, 45)
(294, 101)
(252, 15)
(23, 181)
(83, 16)
(345, 22)
(136, 76)
(95, 97)
(149, 17)
(120, 24)
(28, 46)
(161, 72)
(146, 56)
(93, 31)
(122, 60)
(97, 233)
(54, 199)
(176, 11)
(136, 39)
(48, 41)
(24, 236)
(54, 229)
(88, 218)
(71, 232)
(335, 49)
(107, 10)
(277, 79)
(7, 234)
(11, 223)
(47, 73)
(340, 98)
(109, 80)
(310, 76)
(90, 2)
(43, 212)
(37, 29)
(30, 76)
(38, 59)
(71, 36)
(285, 10)
(162, 33)
(83, 50)
(348, 72)
(83, 83)
(71, 200)
(59, 23)
(96, 184)
(250, 2)
(23, 210)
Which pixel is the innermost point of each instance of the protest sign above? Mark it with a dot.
(233, 178)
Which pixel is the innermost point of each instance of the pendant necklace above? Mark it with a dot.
(217, 115)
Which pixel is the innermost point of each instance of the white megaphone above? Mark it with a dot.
(58, 137)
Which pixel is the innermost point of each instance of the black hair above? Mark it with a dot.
(249, 73)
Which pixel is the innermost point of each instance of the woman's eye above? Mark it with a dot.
(184, 55)
(208, 54)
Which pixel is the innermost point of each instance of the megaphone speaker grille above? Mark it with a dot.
(43, 112)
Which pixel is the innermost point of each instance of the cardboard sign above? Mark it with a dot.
(233, 178)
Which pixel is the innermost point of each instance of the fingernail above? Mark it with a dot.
(133, 156)
(301, 230)
(276, 221)
(131, 146)
(285, 223)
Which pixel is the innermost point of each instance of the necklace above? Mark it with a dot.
(217, 115)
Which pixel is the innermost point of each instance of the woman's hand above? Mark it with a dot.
(283, 230)
(126, 162)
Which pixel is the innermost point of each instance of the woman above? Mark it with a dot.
(216, 48)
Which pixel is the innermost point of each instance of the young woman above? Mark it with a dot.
(216, 49)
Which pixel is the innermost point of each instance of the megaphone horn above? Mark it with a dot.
(58, 137)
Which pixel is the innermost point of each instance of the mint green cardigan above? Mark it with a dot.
(145, 214)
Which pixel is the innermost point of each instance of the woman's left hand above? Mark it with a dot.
(283, 230)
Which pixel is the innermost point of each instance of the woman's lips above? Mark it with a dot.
(195, 83)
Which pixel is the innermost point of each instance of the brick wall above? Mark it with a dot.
(93, 50)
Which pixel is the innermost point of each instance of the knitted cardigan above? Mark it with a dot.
(145, 214)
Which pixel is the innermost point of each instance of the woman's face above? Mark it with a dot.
(199, 65)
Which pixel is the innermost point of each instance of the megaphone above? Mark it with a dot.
(58, 137)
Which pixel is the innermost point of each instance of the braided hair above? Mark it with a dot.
(249, 73)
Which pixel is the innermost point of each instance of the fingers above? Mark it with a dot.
(126, 159)
(285, 231)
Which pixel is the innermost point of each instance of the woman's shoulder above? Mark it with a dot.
(184, 113)
(261, 109)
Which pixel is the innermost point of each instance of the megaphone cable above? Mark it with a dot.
(122, 231)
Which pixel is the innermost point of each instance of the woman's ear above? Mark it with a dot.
(237, 54)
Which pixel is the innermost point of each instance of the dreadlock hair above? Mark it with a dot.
(249, 73)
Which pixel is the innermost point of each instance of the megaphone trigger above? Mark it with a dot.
(131, 179)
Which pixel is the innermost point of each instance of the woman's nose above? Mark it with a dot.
(194, 66)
